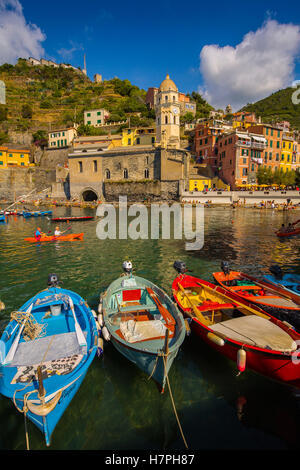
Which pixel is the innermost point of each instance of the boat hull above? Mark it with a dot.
(281, 366)
(155, 366)
(151, 354)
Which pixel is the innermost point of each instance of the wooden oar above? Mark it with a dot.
(164, 312)
(194, 308)
(11, 353)
(79, 333)
(235, 301)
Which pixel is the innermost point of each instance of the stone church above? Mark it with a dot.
(152, 172)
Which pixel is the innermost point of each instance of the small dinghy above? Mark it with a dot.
(45, 352)
(2, 219)
(143, 324)
(269, 298)
(237, 329)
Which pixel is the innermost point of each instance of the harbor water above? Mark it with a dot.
(117, 407)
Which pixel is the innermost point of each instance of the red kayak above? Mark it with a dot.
(51, 238)
(70, 219)
(238, 330)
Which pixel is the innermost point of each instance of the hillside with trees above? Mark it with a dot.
(277, 107)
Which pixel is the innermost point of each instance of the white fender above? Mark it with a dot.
(100, 319)
(94, 314)
(241, 360)
(100, 343)
(105, 333)
(215, 339)
(100, 308)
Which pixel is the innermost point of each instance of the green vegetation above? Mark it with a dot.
(277, 107)
(40, 96)
(202, 107)
(279, 177)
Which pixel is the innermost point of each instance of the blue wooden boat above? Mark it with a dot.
(142, 323)
(45, 352)
(289, 281)
(2, 219)
(36, 213)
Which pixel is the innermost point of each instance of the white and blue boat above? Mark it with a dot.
(142, 323)
(45, 352)
(289, 281)
(28, 214)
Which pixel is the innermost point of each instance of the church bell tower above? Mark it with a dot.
(167, 109)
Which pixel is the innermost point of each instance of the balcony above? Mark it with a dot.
(251, 144)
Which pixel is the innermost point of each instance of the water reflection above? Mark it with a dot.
(116, 406)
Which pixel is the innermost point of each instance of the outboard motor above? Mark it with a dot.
(276, 271)
(53, 280)
(225, 267)
(180, 267)
(127, 267)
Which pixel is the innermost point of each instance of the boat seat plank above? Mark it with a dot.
(136, 332)
(256, 331)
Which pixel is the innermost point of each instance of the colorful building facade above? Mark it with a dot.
(10, 156)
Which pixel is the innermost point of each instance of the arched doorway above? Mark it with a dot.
(89, 195)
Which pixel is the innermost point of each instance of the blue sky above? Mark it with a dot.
(142, 41)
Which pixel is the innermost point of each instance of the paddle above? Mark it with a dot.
(245, 307)
(79, 333)
(10, 355)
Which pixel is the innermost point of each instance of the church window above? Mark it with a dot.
(166, 98)
(107, 174)
(166, 119)
(146, 173)
(125, 173)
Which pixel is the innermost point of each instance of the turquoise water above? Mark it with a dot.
(117, 407)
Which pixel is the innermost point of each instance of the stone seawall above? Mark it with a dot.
(15, 182)
(141, 191)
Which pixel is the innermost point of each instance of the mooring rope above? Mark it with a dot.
(172, 400)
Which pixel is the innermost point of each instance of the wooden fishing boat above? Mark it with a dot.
(45, 352)
(271, 299)
(2, 219)
(52, 238)
(143, 324)
(288, 281)
(71, 219)
(237, 329)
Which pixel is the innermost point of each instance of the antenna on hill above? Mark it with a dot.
(84, 66)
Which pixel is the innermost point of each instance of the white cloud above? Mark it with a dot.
(17, 37)
(67, 54)
(261, 64)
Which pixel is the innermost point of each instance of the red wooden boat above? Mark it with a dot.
(272, 299)
(71, 219)
(238, 330)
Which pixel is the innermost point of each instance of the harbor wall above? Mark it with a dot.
(16, 182)
(244, 197)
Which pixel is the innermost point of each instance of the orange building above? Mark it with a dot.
(273, 135)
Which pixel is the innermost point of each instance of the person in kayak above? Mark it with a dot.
(38, 234)
(57, 232)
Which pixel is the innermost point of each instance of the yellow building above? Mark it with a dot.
(286, 158)
(138, 136)
(202, 183)
(10, 156)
